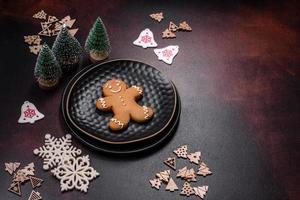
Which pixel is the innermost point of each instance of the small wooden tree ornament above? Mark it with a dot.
(35, 196)
(187, 190)
(190, 175)
(11, 167)
(203, 170)
(200, 191)
(40, 15)
(15, 188)
(164, 176)
(155, 183)
(157, 16)
(171, 162)
(182, 172)
(194, 157)
(35, 49)
(173, 27)
(184, 26)
(35, 182)
(181, 152)
(168, 34)
(171, 186)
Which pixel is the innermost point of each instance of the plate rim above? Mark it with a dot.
(89, 68)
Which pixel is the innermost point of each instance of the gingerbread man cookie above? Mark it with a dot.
(122, 101)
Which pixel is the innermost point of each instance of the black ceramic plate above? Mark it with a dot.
(138, 147)
(78, 103)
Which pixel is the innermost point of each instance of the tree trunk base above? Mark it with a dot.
(95, 57)
(48, 85)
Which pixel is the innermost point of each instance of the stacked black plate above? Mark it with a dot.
(91, 125)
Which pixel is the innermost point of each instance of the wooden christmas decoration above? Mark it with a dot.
(187, 190)
(35, 182)
(35, 49)
(190, 175)
(37, 41)
(194, 157)
(184, 26)
(157, 16)
(70, 23)
(75, 173)
(164, 175)
(52, 19)
(45, 32)
(200, 191)
(168, 34)
(181, 152)
(29, 39)
(67, 21)
(55, 149)
(171, 162)
(40, 15)
(182, 172)
(73, 31)
(171, 186)
(11, 167)
(155, 183)
(45, 25)
(173, 27)
(20, 177)
(35, 196)
(28, 170)
(15, 188)
(204, 170)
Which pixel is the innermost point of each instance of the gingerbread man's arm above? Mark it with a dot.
(104, 103)
(134, 91)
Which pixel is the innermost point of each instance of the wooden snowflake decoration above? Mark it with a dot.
(55, 150)
(75, 173)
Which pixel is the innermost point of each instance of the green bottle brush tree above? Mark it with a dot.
(47, 70)
(97, 42)
(66, 49)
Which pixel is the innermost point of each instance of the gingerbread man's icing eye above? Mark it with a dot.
(109, 87)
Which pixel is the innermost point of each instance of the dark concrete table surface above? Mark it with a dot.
(237, 74)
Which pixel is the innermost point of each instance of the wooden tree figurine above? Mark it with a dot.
(47, 70)
(66, 49)
(97, 43)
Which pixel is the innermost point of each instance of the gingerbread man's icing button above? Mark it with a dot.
(122, 101)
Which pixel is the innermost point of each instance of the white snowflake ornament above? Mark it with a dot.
(167, 54)
(145, 39)
(55, 150)
(75, 173)
(29, 113)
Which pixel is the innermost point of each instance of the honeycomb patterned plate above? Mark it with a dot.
(80, 95)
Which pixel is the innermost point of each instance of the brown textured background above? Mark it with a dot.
(237, 73)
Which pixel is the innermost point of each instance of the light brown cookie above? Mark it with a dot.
(122, 101)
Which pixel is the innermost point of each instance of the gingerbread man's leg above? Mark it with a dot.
(119, 121)
(141, 113)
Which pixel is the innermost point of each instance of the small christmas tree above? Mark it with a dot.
(97, 42)
(66, 49)
(47, 70)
